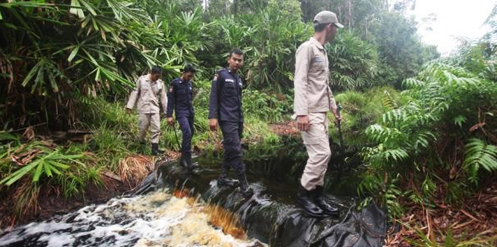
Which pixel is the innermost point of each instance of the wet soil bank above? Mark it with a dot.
(51, 201)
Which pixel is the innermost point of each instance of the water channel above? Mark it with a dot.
(159, 213)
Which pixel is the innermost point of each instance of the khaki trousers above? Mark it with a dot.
(146, 120)
(318, 149)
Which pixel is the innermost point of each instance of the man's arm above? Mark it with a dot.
(300, 82)
(214, 103)
(301, 106)
(133, 96)
(171, 99)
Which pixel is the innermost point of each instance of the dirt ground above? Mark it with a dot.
(475, 220)
(287, 128)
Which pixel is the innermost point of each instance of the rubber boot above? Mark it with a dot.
(156, 150)
(244, 188)
(321, 202)
(182, 161)
(223, 179)
(189, 164)
(306, 202)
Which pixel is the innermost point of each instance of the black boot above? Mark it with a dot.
(156, 150)
(223, 179)
(182, 161)
(321, 202)
(306, 202)
(189, 164)
(244, 188)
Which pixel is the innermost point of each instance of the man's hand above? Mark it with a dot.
(303, 123)
(213, 124)
(338, 117)
(129, 110)
(170, 121)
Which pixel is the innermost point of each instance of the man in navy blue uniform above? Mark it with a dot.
(225, 109)
(181, 101)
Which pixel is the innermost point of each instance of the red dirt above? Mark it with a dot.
(287, 128)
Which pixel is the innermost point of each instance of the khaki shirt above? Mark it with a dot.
(147, 94)
(311, 83)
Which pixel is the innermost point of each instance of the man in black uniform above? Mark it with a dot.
(181, 101)
(225, 108)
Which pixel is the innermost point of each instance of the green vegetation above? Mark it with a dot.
(439, 145)
(447, 109)
(425, 127)
(361, 110)
(57, 56)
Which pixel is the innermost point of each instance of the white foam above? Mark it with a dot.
(156, 219)
(58, 239)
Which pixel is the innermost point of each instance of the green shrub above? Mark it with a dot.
(271, 108)
(359, 110)
(445, 131)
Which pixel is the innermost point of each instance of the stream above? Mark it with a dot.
(152, 216)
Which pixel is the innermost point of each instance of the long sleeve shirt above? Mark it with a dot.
(147, 95)
(180, 99)
(226, 97)
(311, 83)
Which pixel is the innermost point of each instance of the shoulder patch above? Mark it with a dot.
(171, 89)
(216, 75)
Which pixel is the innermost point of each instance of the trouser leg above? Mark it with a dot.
(232, 133)
(186, 144)
(155, 127)
(192, 128)
(143, 124)
(318, 149)
(232, 146)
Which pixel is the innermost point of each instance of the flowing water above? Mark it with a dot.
(154, 219)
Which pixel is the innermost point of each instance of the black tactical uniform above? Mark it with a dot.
(181, 101)
(226, 106)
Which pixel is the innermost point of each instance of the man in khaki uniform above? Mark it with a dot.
(149, 89)
(313, 100)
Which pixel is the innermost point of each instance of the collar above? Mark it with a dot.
(231, 71)
(150, 79)
(316, 43)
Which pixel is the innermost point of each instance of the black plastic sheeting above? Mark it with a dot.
(271, 216)
(358, 229)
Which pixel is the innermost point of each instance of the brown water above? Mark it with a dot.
(154, 219)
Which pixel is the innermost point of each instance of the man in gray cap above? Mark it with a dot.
(312, 102)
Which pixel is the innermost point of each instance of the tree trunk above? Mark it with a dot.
(349, 6)
(235, 7)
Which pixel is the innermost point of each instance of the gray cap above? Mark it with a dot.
(326, 17)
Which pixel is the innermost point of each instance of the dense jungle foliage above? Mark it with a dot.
(424, 126)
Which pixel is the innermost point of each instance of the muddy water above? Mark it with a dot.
(154, 219)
